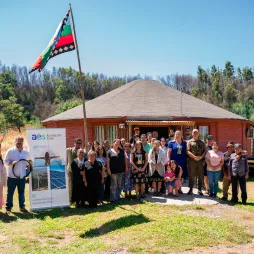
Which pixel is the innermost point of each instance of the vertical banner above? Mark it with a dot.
(48, 180)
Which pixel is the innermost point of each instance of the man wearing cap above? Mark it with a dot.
(196, 149)
(239, 173)
(226, 176)
(136, 132)
(209, 143)
(71, 155)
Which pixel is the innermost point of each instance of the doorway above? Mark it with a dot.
(162, 131)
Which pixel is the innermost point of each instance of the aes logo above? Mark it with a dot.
(38, 136)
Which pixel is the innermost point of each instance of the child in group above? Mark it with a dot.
(177, 170)
(3, 179)
(128, 185)
(169, 180)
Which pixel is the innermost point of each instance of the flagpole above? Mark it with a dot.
(81, 81)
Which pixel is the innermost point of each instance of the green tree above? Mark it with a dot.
(194, 91)
(68, 105)
(247, 74)
(230, 95)
(216, 94)
(203, 80)
(13, 113)
(8, 77)
(213, 70)
(62, 92)
(3, 125)
(6, 91)
(239, 73)
(229, 70)
(244, 108)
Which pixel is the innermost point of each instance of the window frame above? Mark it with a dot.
(201, 136)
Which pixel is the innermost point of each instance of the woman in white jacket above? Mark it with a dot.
(156, 158)
(3, 179)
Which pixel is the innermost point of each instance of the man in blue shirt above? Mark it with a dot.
(239, 172)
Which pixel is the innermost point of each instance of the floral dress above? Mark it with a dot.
(128, 186)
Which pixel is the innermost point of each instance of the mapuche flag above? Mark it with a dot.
(61, 42)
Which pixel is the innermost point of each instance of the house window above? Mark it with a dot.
(99, 133)
(111, 133)
(203, 132)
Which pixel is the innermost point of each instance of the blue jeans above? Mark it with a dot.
(12, 183)
(213, 177)
(102, 189)
(116, 186)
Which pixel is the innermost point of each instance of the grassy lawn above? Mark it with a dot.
(126, 226)
(250, 192)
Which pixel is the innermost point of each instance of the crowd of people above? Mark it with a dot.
(145, 164)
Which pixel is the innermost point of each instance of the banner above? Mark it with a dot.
(48, 180)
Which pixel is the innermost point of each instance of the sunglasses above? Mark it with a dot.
(79, 143)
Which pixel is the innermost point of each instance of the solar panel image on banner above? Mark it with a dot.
(57, 177)
(39, 179)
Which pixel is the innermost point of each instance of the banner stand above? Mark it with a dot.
(48, 186)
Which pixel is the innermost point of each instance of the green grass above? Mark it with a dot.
(250, 191)
(136, 227)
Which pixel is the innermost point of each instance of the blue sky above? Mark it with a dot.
(127, 37)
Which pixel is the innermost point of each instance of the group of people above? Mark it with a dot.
(149, 164)
(145, 164)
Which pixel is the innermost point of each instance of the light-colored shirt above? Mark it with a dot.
(215, 159)
(13, 154)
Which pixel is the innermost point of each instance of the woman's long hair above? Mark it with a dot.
(177, 169)
(93, 145)
(104, 151)
(139, 143)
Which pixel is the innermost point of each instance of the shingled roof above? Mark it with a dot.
(146, 100)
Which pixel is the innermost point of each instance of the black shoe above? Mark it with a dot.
(77, 206)
(143, 195)
(234, 201)
(244, 202)
(158, 193)
(180, 191)
(224, 199)
(190, 192)
(8, 210)
(23, 210)
(138, 197)
(210, 195)
(155, 193)
(200, 193)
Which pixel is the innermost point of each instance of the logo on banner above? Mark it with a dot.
(38, 136)
(45, 136)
